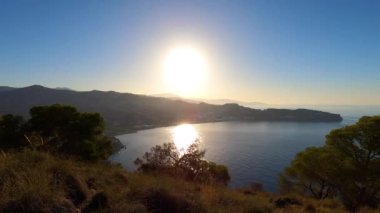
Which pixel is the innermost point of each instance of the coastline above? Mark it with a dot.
(114, 133)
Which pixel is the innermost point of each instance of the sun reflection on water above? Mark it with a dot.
(183, 136)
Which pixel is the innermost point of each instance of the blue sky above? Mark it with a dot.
(278, 52)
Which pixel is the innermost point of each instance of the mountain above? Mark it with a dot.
(126, 111)
(167, 95)
(63, 88)
(4, 88)
(241, 103)
(212, 101)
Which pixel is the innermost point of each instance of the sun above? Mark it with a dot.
(184, 70)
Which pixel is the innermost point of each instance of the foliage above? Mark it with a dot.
(347, 167)
(34, 181)
(60, 129)
(12, 130)
(190, 165)
(309, 173)
(358, 148)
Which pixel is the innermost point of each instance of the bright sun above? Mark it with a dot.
(184, 70)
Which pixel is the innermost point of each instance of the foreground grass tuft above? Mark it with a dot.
(31, 181)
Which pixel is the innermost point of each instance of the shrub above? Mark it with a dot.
(190, 165)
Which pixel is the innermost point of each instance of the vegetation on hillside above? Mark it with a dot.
(35, 181)
(188, 166)
(346, 167)
(58, 129)
(56, 162)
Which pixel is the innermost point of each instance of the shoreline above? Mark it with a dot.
(148, 127)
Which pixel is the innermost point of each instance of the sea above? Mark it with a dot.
(254, 152)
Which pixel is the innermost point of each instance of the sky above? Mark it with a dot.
(276, 52)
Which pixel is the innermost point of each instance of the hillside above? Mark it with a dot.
(127, 112)
(33, 181)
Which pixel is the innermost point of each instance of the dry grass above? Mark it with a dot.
(32, 181)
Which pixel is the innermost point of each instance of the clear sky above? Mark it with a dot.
(277, 52)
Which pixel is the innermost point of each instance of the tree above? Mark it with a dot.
(12, 129)
(219, 173)
(190, 165)
(65, 130)
(347, 166)
(309, 174)
(57, 128)
(159, 159)
(358, 148)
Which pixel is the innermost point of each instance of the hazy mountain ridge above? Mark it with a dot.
(348, 111)
(172, 96)
(5, 88)
(126, 111)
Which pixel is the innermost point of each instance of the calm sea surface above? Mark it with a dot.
(252, 151)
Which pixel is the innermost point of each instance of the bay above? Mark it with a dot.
(252, 151)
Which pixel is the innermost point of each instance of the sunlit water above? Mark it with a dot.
(183, 136)
(252, 151)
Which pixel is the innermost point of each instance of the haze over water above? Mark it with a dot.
(252, 151)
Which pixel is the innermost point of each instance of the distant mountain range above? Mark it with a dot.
(345, 110)
(125, 111)
(213, 101)
(4, 88)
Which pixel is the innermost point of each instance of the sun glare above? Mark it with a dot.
(184, 70)
(183, 136)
